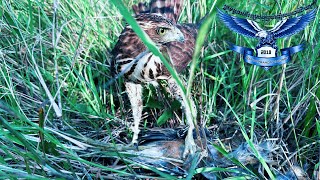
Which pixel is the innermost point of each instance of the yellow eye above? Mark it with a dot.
(161, 31)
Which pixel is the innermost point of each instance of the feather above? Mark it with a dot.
(170, 9)
(289, 27)
(140, 8)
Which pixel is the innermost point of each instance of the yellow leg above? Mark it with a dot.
(134, 92)
(190, 112)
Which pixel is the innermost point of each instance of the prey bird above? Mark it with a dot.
(140, 67)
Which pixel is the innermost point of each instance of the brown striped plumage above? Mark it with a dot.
(140, 66)
(129, 47)
(171, 9)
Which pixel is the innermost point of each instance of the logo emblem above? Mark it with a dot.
(267, 51)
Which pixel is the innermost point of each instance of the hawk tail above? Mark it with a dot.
(140, 8)
(170, 9)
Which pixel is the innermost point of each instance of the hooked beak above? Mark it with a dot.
(181, 39)
(179, 35)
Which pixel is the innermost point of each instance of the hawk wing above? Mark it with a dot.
(242, 26)
(288, 27)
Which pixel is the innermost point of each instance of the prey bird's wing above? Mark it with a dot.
(288, 27)
(239, 25)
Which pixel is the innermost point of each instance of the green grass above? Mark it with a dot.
(55, 65)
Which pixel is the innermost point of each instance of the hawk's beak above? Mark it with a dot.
(179, 35)
(181, 39)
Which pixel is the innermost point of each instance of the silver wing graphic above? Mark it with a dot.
(283, 28)
(289, 27)
(242, 26)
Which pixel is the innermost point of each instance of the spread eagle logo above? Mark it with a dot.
(267, 38)
(283, 28)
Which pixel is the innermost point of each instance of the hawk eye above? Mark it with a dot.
(161, 31)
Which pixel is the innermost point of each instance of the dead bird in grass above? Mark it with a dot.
(163, 149)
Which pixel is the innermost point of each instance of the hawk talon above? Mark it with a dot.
(134, 145)
(182, 132)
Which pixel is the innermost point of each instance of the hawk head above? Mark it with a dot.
(160, 29)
